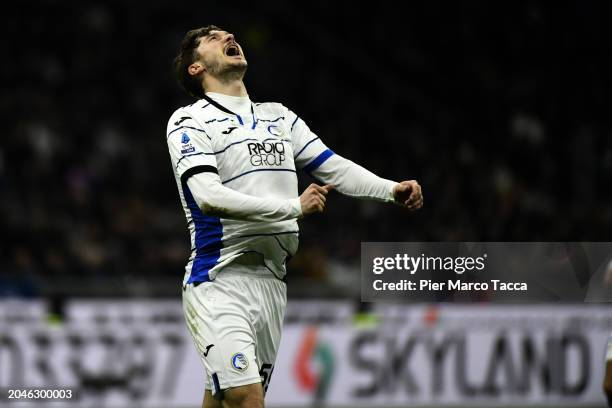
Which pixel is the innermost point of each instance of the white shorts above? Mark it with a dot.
(235, 322)
(609, 349)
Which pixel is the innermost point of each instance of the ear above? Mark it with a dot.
(196, 69)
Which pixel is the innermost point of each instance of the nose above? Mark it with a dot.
(229, 37)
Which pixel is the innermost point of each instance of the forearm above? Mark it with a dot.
(353, 180)
(217, 200)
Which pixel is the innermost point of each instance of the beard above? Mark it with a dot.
(226, 72)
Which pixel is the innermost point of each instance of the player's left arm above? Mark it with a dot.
(353, 180)
(347, 177)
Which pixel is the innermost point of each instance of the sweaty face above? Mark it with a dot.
(221, 55)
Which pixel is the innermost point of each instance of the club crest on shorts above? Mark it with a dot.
(240, 362)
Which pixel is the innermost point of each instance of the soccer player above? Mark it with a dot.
(235, 164)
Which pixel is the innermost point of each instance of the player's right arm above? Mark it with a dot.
(194, 161)
(215, 199)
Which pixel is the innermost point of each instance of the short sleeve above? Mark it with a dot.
(309, 150)
(190, 146)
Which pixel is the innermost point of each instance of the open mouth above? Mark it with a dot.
(232, 50)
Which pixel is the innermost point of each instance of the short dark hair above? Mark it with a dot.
(192, 84)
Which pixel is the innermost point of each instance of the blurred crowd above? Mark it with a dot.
(500, 112)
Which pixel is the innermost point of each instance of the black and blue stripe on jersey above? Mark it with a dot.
(208, 238)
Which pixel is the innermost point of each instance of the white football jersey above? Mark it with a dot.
(256, 149)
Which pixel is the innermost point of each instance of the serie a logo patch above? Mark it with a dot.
(187, 147)
(240, 362)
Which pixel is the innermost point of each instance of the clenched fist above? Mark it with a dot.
(313, 198)
(408, 194)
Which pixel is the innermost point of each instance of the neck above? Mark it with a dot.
(232, 88)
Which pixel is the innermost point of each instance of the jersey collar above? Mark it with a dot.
(239, 100)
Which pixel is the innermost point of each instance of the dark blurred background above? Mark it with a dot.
(499, 110)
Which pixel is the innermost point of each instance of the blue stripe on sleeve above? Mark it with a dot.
(319, 160)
